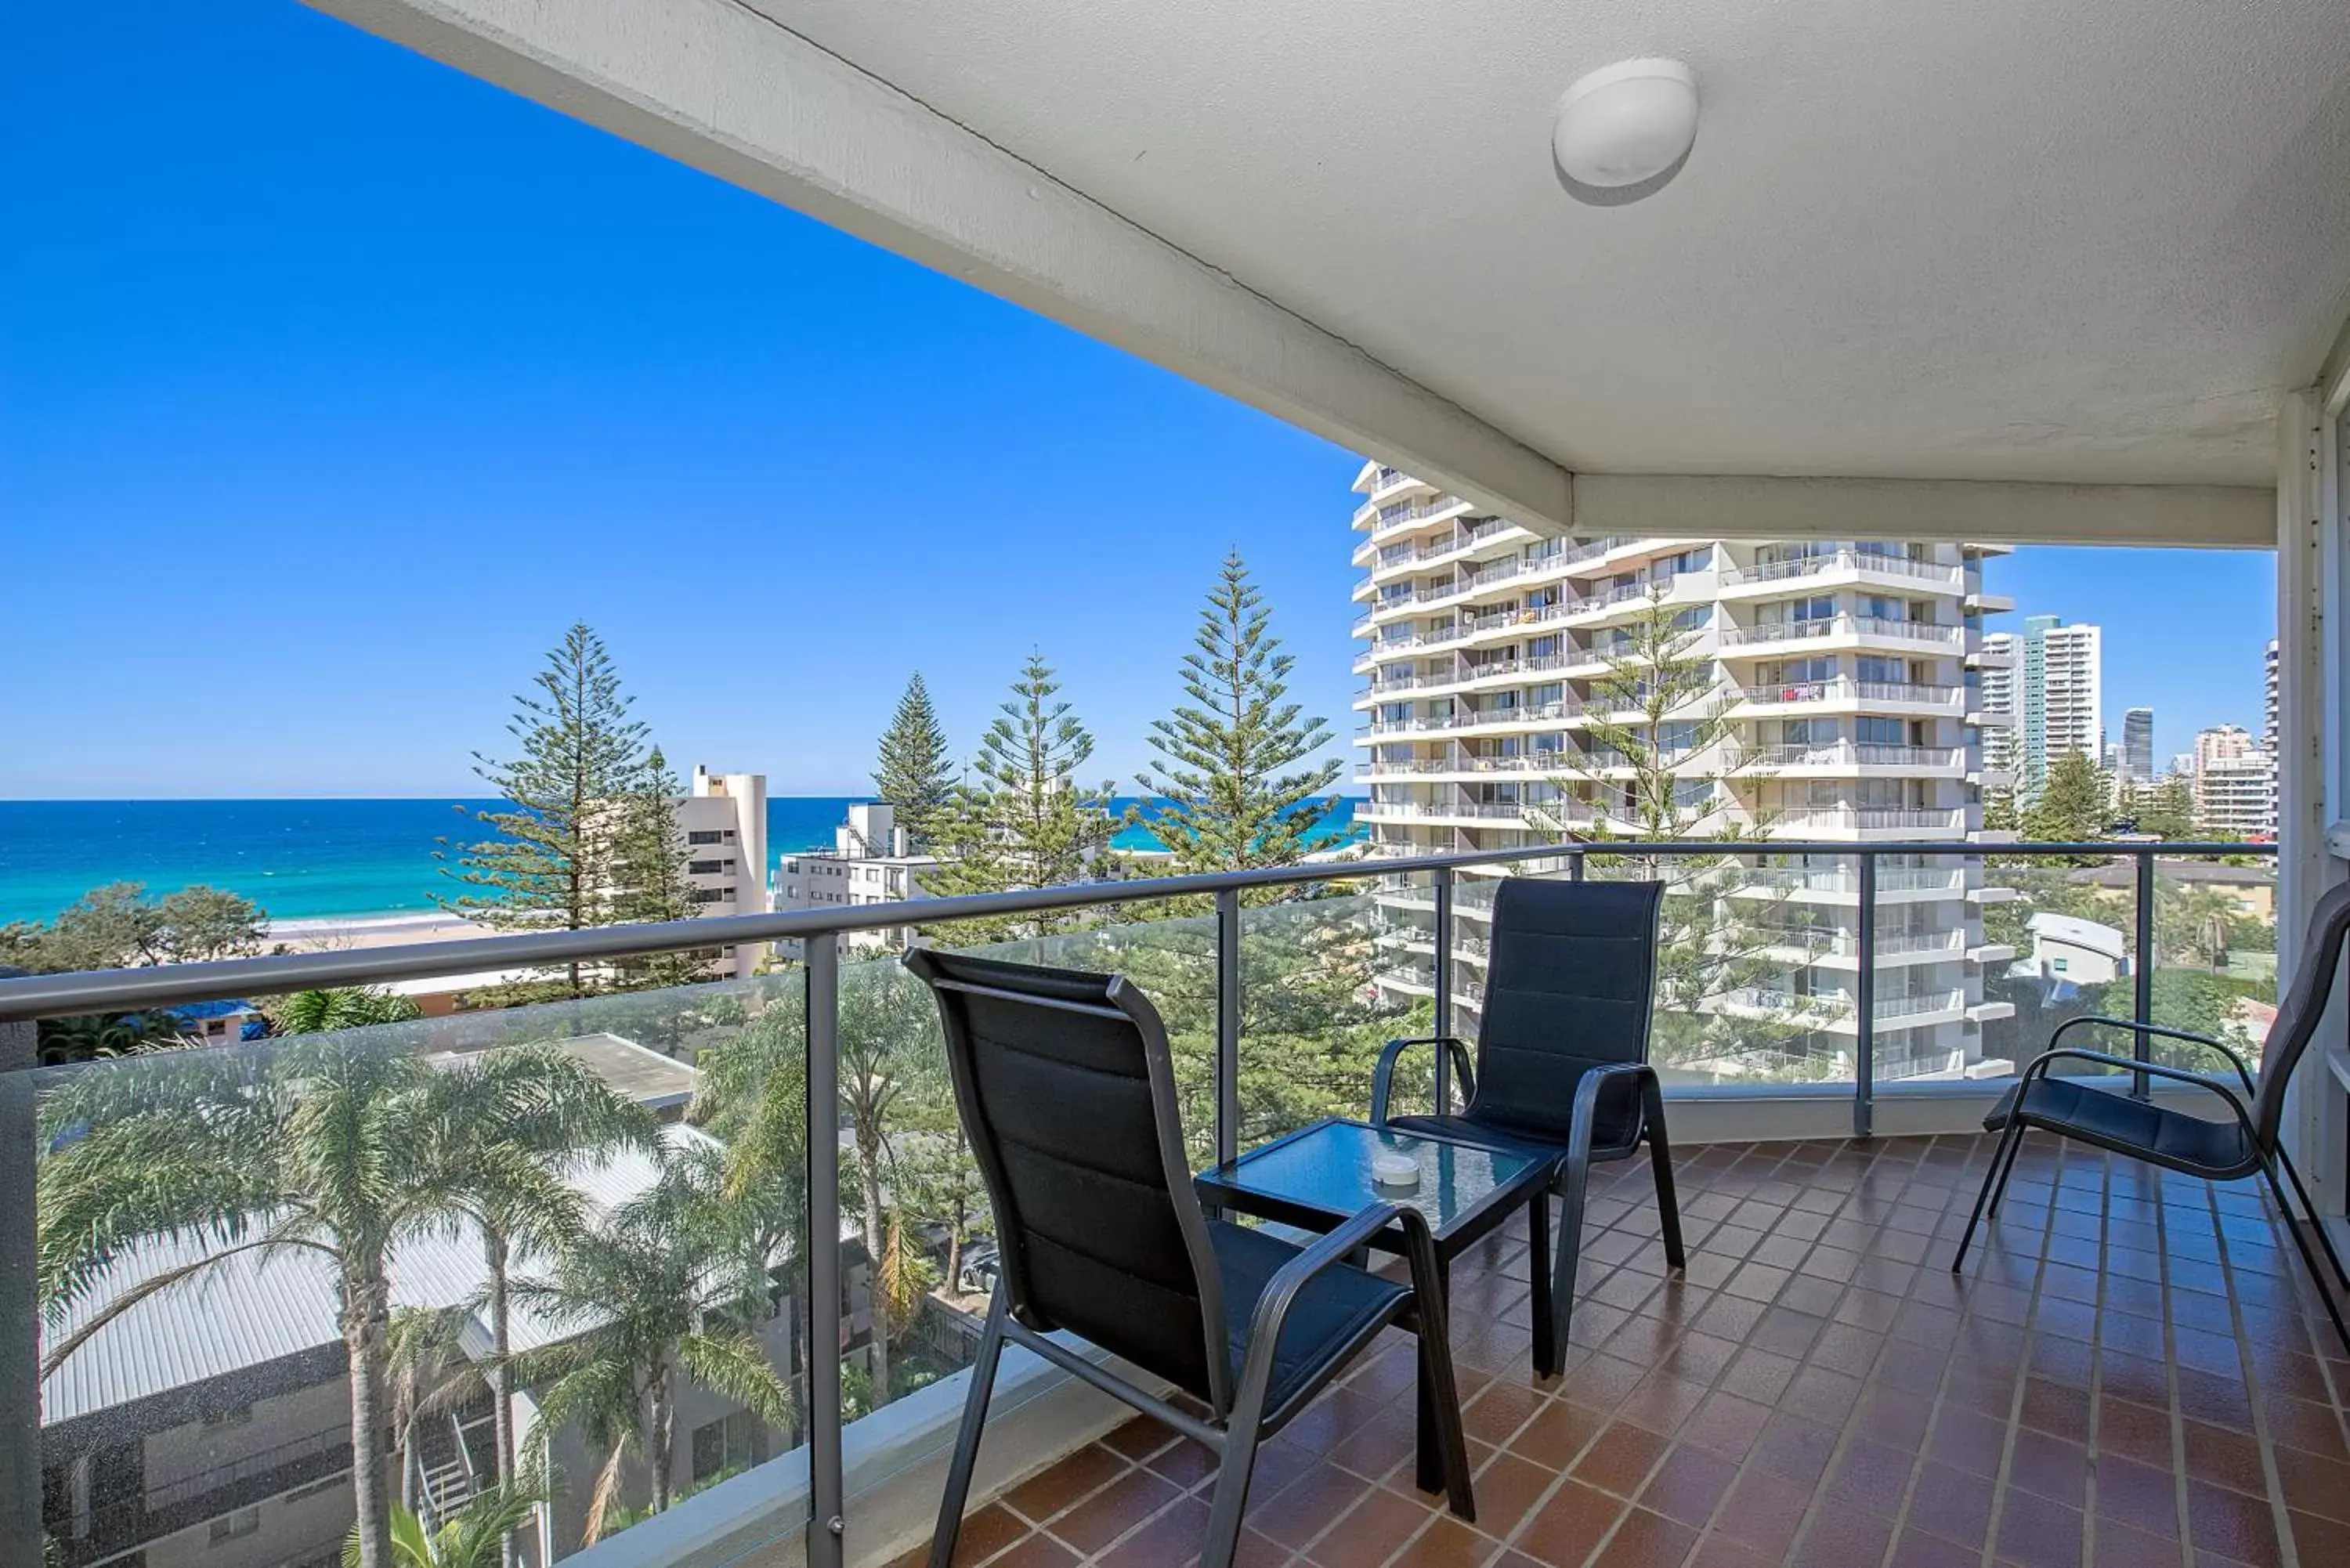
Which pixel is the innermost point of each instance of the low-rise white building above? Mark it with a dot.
(872, 861)
(2068, 952)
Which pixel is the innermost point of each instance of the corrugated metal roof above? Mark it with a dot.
(261, 1306)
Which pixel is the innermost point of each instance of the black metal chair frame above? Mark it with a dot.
(2261, 1119)
(2267, 1161)
(1240, 1416)
(1572, 1177)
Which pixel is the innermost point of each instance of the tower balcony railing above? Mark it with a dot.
(730, 1048)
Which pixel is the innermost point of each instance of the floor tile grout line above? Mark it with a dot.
(1919, 1460)
(2170, 1385)
(2001, 1484)
(2280, 1516)
(2094, 1446)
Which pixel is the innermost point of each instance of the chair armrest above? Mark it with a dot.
(1383, 1080)
(1586, 1108)
(2039, 1069)
(1281, 1293)
(2242, 1072)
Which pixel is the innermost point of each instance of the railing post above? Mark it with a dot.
(2142, 1043)
(1864, 1059)
(825, 1520)
(1228, 1024)
(1575, 865)
(20, 1319)
(1444, 876)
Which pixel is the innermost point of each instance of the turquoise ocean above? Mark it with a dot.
(304, 860)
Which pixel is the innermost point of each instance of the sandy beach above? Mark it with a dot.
(344, 933)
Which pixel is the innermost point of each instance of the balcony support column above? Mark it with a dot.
(20, 1318)
(826, 1521)
(1864, 1056)
(1228, 1024)
(1443, 878)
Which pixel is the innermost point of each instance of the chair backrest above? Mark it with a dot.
(1066, 1091)
(2300, 1010)
(1571, 983)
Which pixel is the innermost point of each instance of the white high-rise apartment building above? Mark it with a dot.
(2001, 704)
(1850, 668)
(2235, 783)
(2061, 692)
(725, 821)
(2269, 730)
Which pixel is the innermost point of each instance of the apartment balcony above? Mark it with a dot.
(1861, 760)
(1538, 1442)
(1844, 694)
(1843, 819)
(1839, 568)
(1842, 631)
(1820, 1390)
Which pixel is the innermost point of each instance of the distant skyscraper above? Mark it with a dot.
(2137, 745)
(2062, 694)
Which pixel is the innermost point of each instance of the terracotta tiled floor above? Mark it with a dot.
(2133, 1372)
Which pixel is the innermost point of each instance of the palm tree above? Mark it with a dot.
(753, 1098)
(516, 1119)
(352, 1007)
(674, 1284)
(324, 1146)
(889, 1041)
(426, 1373)
(472, 1536)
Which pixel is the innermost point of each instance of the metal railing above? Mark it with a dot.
(819, 934)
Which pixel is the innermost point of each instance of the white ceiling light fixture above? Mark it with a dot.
(1626, 123)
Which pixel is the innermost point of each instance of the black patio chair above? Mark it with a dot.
(2247, 1142)
(1562, 1064)
(1066, 1091)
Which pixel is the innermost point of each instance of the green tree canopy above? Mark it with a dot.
(560, 856)
(1662, 754)
(651, 881)
(352, 1007)
(1024, 820)
(122, 926)
(914, 774)
(1233, 788)
(2072, 805)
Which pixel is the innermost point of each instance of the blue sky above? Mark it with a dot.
(336, 384)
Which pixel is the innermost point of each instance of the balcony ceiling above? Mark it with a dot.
(2077, 240)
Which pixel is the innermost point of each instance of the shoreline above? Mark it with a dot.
(324, 933)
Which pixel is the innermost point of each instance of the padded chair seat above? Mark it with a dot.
(2113, 1120)
(1607, 1142)
(1339, 1311)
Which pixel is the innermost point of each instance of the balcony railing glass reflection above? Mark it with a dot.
(1280, 986)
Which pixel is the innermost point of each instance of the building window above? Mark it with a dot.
(236, 1526)
(709, 867)
(704, 835)
(1875, 731)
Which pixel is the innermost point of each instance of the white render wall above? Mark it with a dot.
(728, 869)
(1482, 642)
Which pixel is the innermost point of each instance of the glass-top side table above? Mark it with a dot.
(1320, 1176)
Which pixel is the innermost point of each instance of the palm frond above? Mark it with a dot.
(733, 1366)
